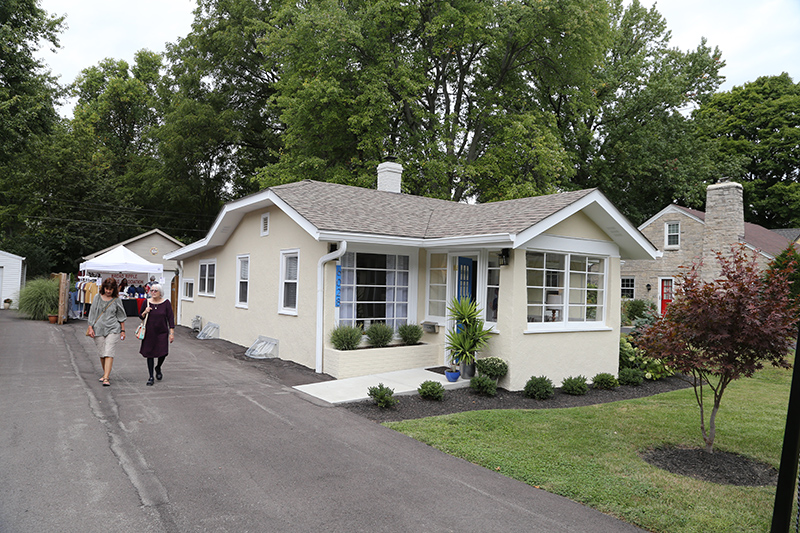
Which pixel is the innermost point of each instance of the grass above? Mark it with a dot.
(591, 454)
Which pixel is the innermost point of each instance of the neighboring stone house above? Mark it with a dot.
(685, 235)
(281, 268)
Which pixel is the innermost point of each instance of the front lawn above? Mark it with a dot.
(591, 454)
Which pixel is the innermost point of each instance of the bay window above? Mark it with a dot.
(565, 288)
(374, 288)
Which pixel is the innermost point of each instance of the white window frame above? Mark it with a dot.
(186, 282)
(564, 324)
(203, 280)
(486, 286)
(667, 234)
(264, 222)
(431, 317)
(283, 310)
(632, 287)
(239, 259)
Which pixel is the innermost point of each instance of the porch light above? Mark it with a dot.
(648, 287)
(505, 253)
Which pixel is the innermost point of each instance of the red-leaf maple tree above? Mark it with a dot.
(715, 332)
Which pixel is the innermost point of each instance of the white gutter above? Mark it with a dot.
(321, 298)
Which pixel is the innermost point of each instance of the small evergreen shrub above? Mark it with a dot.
(383, 396)
(39, 297)
(431, 390)
(492, 367)
(575, 385)
(379, 334)
(410, 334)
(631, 376)
(605, 381)
(346, 337)
(633, 310)
(483, 385)
(540, 388)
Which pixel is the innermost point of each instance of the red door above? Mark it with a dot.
(666, 294)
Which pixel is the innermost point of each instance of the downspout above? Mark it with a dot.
(180, 288)
(336, 254)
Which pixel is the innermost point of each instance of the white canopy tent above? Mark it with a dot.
(120, 259)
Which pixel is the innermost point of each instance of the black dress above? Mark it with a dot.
(156, 337)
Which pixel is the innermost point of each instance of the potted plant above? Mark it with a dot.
(469, 335)
(52, 316)
(453, 373)
(7, 303)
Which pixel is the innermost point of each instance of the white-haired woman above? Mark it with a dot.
(159, 333)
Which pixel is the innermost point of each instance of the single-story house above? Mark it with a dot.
(292, 262)
(12, 277)
(684, 236)
(151, 246)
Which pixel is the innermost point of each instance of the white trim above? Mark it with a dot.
(238, 303)
(184, 282)
(294, 252)
(633, 288)
(671, 209)
(200, 277)
(660, 294)
(555, 243)
(667, 245)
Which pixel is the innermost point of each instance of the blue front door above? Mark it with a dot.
(465, 275)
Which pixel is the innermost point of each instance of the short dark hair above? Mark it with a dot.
(110, 283)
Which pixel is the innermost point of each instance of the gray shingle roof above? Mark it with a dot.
(342, 208)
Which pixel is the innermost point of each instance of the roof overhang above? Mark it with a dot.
(632, 243)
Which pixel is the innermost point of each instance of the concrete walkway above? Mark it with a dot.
(403, 382)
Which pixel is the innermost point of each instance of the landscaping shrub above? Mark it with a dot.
(346, 337)
(631, 376)
(431, 390)
(633, 310)
(630, 357)
(574, 385)
(39, 297)
(483, 385)
(605, 381)
(410, 333)
(379, 334)
(492, 367)
(383, 396)
(540, 388)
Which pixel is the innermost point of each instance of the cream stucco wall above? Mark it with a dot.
(261, 317)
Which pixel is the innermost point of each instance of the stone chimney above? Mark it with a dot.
(724, 223)
(390, 175)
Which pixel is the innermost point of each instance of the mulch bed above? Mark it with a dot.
(718, 467)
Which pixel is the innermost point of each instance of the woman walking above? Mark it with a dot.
(107, 325)
(159, 331)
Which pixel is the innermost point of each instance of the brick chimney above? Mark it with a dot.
(390, 176)
(724, 223)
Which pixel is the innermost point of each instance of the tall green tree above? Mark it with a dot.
(626, 128)
(219, 126)
(760, 123)
(439, 84)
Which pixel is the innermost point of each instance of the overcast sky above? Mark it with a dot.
(756, 37)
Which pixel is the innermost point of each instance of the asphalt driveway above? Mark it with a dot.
(224, 444)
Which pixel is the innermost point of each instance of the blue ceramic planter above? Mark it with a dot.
(452, 376)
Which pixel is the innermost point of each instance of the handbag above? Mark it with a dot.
(141, 328)
(90, 326)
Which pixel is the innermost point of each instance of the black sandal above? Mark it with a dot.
(150, 381)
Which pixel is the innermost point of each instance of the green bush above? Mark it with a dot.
(631, 376)
(492, 367)
(540, 388)
(431, 390)
(379, 334)
(410, 333)
(633, 310)
(383, 396)
(630, 357)
(605, 381)
(575, 386)
(39, 297)
(346, 337)
(483, 385)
